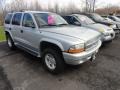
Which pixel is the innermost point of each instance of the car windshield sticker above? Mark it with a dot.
(51, 20)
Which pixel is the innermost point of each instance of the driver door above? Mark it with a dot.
(30, 33)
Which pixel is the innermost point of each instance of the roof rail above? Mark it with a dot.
(22, 10)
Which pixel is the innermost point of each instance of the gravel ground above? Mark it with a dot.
(25, 72)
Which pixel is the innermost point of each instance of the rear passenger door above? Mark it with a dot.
(16, 27)
(7, 22)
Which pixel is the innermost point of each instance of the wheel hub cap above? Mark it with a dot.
(9, 43)
(50, 61)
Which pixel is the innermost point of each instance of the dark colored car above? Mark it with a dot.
(99, 19)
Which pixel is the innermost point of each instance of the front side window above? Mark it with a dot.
(84, 19)
(28, 21)
(16, 19)
(8, 19)
(49, 19)
(67, 18)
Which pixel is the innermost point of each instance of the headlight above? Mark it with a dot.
(76, 48)
(102, 30)
(113, 26)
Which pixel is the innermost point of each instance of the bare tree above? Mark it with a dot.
(90, 5)
(109, 9)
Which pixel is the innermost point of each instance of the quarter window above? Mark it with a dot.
(16, 19)
(8, 19)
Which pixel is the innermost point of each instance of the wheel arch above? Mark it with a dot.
(8, 33)
(45, 43)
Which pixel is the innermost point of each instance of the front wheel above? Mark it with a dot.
(10, 42)
(53, 61)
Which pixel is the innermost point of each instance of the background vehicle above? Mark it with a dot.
(81, 20)
(99, 19)
(48, 35)
(114, 18)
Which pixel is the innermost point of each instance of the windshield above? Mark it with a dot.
(97, 17)
(116, 18)
(49, 19)
(85, 19)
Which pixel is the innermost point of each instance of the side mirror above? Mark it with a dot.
(77, 23)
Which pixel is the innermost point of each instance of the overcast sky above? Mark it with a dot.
(79, 3)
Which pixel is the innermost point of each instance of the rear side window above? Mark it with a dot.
(16, 19)
(8, 19)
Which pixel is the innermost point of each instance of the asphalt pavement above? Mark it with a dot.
(22, 71)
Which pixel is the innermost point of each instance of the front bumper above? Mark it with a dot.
(110, 36)
(117, 31)
(75, 59)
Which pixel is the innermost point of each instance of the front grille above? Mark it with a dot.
(93, 40)
(92, 45)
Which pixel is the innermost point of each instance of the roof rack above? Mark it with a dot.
(18, 11)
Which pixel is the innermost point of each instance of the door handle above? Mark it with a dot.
(21, 31)
(9, 28)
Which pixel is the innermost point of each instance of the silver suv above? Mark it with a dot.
(49, 36)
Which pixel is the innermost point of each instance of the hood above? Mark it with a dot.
(82, 33)
(99, 27)
(107, 22)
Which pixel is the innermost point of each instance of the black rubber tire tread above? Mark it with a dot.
(60, 64)
(13, 45)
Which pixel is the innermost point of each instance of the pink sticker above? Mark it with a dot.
(51, 20)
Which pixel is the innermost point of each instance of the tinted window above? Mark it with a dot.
(16, 19)
(73, 20)
(28, 21)
(8, 19)
(68, 19)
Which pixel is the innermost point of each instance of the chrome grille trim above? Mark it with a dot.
(93, 44)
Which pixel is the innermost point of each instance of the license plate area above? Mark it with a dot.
(93, 57)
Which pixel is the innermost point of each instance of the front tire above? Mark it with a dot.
(10, 42)
(53, 61)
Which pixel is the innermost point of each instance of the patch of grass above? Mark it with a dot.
(2, 34)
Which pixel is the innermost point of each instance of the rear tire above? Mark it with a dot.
(109, 41)
(10, 42)
(53, 61)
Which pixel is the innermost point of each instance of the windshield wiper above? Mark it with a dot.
(94, 23)
(47, 25)
(62, 24)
